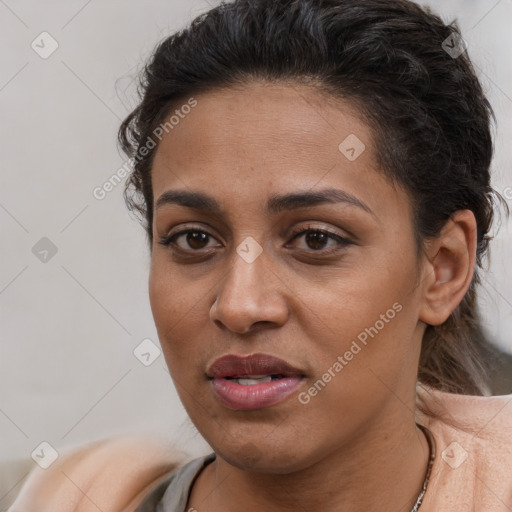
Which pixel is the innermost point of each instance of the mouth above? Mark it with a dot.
(253, 382)
(251, 367)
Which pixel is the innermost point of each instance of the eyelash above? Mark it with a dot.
(341, 241)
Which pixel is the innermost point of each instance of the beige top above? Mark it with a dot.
(473, 467)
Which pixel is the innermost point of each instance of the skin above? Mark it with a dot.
(356, 439)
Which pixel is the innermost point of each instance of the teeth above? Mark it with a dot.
(251, 380)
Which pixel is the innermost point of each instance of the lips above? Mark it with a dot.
(253, 382)
(259, 365)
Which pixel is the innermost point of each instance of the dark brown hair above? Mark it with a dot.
(430, 119)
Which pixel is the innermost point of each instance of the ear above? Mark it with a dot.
(449, 265)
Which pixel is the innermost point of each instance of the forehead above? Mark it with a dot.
(261, 139)
(291, 121)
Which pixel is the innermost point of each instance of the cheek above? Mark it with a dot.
(367, 316)
(173, 301)
(162, 299)
(168, 306)
(358, 296)
(180, 313)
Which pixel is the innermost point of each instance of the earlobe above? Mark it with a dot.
(449, 267)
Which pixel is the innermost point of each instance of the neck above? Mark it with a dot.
(382, 469)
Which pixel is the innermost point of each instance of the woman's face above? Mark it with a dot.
(342, 309)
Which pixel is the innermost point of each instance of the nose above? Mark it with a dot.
(250, 297)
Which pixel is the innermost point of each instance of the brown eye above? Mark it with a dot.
(194, 239)
(317, 239)
(197, 239)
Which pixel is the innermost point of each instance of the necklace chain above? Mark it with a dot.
(432, 446)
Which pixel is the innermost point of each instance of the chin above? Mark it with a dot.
(264, 457)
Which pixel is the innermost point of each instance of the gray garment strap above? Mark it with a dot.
(171, 494)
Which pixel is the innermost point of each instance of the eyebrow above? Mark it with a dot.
(275, 204)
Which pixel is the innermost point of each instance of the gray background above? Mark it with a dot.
(69, 325)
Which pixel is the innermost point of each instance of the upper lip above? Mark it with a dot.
(232, 365)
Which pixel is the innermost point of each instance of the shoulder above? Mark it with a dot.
(112, 474)
(473, 435)
(481, 417)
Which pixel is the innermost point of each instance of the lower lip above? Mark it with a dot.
(256, 396)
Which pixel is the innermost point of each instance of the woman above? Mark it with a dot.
(313, 177)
